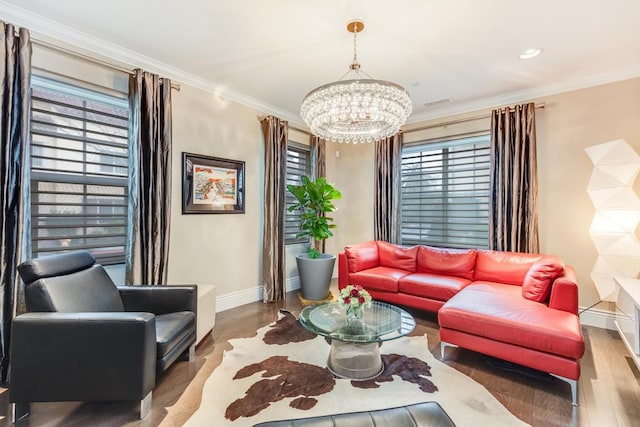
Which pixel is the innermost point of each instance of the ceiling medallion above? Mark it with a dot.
(356, 109)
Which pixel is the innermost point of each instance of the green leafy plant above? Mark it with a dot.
(314, 200)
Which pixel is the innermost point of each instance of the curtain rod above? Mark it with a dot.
(90, 59)
(454, 122)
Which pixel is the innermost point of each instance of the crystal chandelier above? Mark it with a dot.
(357, 109)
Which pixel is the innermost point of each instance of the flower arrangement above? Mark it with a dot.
(353, 298)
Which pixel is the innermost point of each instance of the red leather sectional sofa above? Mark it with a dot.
(519, 307)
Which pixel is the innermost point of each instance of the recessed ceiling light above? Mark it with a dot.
(530, 53)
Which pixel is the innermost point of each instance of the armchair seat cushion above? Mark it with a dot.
(172, 328)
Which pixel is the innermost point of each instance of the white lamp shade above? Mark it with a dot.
(613, 229)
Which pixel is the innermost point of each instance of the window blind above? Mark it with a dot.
(79, 171)
(298, 164)
(445, 193)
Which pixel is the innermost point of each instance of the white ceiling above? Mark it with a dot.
(269, 54)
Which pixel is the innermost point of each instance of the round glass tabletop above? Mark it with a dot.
(381, 322)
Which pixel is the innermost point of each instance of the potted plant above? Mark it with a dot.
(314, 201)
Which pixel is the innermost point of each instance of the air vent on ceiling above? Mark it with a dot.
(437, 102)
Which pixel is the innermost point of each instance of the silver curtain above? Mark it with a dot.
(318, 165)
(147, 253)
(275, 133)
(388, 158)
(513, 219)
(15, 76)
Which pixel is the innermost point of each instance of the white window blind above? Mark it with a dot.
(298, 164)
(79, 171)
(445, 193)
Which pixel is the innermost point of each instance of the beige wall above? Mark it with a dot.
(352, 173)
(569, 123)
(219, 249)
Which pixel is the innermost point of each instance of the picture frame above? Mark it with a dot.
(212, 185)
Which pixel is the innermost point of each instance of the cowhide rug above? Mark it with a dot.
(281, 373)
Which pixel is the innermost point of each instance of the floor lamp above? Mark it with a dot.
(613, 229)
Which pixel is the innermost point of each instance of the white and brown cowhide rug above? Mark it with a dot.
(281, 373)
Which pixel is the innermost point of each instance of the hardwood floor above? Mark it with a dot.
(609, 388)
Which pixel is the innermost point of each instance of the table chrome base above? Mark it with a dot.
(355, 361)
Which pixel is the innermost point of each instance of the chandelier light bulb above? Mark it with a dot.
(357, 110)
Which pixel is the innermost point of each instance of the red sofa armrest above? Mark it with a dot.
(343, 270)
(564, 292)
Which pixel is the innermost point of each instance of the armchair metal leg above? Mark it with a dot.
(19, 411)
(145, 405)
(442, 347)
(574, 388)
(192, 353)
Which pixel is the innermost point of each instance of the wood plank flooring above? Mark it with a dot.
(609, 388)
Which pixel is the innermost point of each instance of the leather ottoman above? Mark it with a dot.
(419, 414)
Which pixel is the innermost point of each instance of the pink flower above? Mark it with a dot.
(361, 300)
(354, 293)
(347, 300)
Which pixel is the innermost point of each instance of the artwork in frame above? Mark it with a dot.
(212, 184)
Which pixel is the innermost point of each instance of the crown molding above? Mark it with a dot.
(526, 94)
(47, 28)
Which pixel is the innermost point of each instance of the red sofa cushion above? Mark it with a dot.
(394, 256)
(378, 278)
(434, 286)
(362, 256)
(537, 283)
(503, 267)
(488, 312)
(449, 262)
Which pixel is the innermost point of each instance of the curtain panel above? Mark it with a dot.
(318, 156)
(275, 133)
(15, 77)
(386, 205)
(147, 252)
(513, 219)
(318, 166)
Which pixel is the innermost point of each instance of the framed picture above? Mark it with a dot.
(212, 185)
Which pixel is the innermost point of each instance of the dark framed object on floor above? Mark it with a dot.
(212, 184)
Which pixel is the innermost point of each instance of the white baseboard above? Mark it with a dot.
(293, 284)
(235, 299)
(599, 318)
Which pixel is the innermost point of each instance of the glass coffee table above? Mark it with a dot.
(355, 344)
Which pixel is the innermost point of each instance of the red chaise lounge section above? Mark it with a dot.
(518, 307)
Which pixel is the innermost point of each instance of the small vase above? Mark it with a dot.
(354, 318)
(355, 312)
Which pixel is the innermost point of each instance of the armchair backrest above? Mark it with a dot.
(68, 282)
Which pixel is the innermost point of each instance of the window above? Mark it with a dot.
(79, 171)
(298, 164)
(445, 193)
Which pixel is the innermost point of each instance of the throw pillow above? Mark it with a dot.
(362, 256)
(394, 256)
(537, 282)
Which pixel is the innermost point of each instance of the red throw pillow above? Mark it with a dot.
(394, 256)
(537, 282)
(362, 256)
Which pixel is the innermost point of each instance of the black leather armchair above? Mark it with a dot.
(85, 339)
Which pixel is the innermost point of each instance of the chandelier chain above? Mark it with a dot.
(355, 51)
